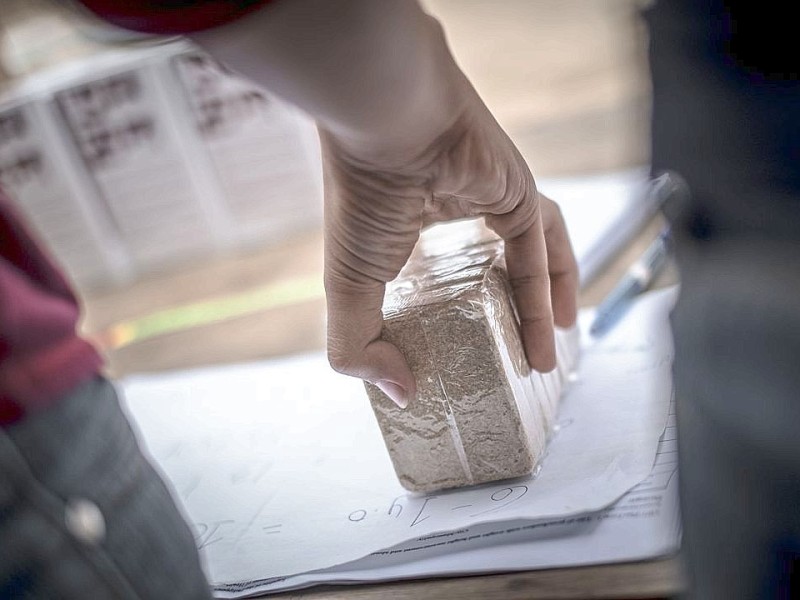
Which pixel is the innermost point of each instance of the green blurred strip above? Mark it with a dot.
(270, 296)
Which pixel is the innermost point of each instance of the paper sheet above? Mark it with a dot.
(643, 524)
(281, 468)
(131, 152)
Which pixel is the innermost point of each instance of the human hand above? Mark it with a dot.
(378, 199)
(406, 141)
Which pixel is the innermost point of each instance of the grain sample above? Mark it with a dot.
(480, 414)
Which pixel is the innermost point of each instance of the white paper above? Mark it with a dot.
(263, 153)
(39, 176)
(281, 467)
(643, 524)
(120, 127)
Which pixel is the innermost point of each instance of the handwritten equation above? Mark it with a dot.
(418, 510)
(415, 511)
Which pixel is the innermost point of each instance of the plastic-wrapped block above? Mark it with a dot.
(480, 414)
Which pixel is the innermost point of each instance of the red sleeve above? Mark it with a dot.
(171, 16)
(42, 358)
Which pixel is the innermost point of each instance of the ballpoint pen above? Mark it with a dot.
(639, 277)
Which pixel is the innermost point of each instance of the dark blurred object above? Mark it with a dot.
(726, 115)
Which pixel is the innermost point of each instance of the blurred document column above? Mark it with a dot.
(121, 129)
(264, 153)
(38, 174)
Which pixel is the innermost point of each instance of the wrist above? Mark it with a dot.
(377, 77)
(418, 106)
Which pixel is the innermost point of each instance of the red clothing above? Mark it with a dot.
(41, 356)
(171, 16)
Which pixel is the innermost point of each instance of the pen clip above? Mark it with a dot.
(669, 192)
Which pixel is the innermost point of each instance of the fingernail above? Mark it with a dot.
(396, 392)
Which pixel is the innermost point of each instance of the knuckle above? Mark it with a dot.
(340, 361)
(518, 192)
(530, 280)
(568, 271)
(518, 219)
(535, 320)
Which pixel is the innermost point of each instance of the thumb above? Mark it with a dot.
(372, 222)
(355, 346)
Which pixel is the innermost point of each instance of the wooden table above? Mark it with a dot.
(566, 79)
(654, 579)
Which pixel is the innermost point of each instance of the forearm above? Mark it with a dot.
(378, 75)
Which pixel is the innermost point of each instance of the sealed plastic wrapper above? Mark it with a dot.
(480, 413)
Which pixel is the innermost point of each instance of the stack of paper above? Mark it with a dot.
(283, 473)
(643, 524)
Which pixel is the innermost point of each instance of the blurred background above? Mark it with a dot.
(185, 204)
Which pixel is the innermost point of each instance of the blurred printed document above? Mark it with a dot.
(281, 468)
(132, 153)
